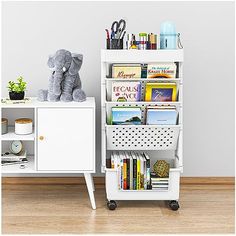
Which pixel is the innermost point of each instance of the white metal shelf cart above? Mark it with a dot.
(165, 142)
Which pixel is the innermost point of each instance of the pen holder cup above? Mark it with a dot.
(114, 43)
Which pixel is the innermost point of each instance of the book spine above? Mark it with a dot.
(141, 173)
(148, 174)
(134, 174)
(145, 172)
(131, 172)
(124, 174)
(138, 174)
(128, 173)
(112, 160)
(121, 173)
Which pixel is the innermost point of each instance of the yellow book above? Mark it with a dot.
(161, 92)
(124, 174)
(138, 174)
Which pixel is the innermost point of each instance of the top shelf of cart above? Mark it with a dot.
(139, 56)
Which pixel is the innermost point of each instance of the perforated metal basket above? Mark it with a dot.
(142, 137)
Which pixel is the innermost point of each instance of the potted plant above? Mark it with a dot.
(17, 89)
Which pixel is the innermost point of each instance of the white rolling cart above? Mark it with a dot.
(159, 141)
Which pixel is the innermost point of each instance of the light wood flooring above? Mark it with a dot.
(55, 209)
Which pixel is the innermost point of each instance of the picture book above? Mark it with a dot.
(161, 116)
(126, 71)
(161, 92)
(126, 116)
(125, 91)
(161, 70)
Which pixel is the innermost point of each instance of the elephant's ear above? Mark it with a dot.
(50, 62)
(76, 63)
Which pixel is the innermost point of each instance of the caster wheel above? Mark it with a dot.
(174, 205)
(111, 205)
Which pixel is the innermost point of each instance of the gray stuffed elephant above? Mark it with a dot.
(64, 83)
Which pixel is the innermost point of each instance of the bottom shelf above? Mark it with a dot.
(29, 167)
(114, 193)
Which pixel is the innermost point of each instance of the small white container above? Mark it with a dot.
(23, 126)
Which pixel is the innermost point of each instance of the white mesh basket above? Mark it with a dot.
(142, 137)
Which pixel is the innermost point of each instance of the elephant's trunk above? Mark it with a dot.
(58, 77)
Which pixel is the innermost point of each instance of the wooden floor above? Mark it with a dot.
(54, 209)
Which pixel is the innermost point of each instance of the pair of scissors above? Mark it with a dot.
(117, 28)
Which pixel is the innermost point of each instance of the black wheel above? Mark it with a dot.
(111, 205)
(174, 205)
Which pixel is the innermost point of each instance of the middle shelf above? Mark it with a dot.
(12, 136)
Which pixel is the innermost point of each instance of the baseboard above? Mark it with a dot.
(101, 180)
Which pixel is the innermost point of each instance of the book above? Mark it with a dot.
(117, 156)
(141, 171)
(124, 172)
(138, 173)
(161, 116)
(126, 71)
(131, 170)
(121, 171)
(126, 116)
(125, 91)
(112, 160)
(134, 170)
(148, 171)
(5, 163)
(161, 70)
(128, 171)
(161, 92)
(7, 156)
(9, 101)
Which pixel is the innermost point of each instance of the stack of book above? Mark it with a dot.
(12, 159)
(133, 170)
(158, 183)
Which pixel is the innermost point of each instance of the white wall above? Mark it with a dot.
(33, 30)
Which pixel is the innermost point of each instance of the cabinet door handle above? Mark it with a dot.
(41, 138)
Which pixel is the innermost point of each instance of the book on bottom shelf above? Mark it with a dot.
(134, 171)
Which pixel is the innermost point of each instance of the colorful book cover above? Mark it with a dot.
(161, 70)
(126, 71)
(161, 92)
(161, 117)
(125, 91)
(126, 116)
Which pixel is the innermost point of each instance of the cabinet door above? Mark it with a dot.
(66, 139)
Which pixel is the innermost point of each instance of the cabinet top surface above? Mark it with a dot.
(90, 102)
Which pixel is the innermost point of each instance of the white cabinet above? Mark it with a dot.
(65, 139)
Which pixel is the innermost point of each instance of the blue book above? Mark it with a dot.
(126, 116)
(161, 117)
